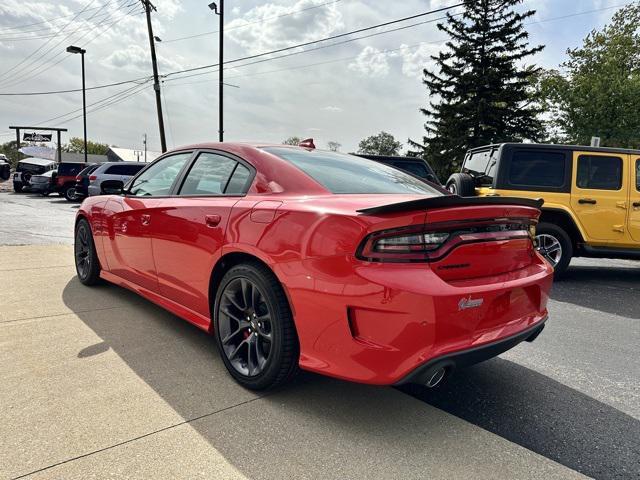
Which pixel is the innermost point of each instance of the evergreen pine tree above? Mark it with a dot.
(480, 92)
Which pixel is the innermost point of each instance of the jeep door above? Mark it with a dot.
(189, 229)
(599, 194)
(634, 199)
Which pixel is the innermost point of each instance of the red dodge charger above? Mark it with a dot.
(294, 258)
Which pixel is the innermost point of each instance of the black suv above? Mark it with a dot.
(416, 166)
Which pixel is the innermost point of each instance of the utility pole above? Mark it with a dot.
(148, 6)
(144, 141)
(82, 51)
(220, 13)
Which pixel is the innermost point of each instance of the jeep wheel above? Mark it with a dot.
(461, 184)
(555, 246)
(17, 187)
(70, 194)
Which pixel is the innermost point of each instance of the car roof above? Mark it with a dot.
(581, 148)
(37, 161)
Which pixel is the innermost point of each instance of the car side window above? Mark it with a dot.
(209, 175)
(158, 179)
(532, 168)
(416, 168)
(238, 182)
(638, 175)
(599, 173)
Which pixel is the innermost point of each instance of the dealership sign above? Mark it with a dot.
(36, 137)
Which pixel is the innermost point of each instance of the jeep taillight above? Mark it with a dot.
(92, 178)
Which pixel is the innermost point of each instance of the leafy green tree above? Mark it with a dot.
(292, 141)
(11, 152)
(76, 145)
(333, 146)
(381, 144)
(480, 92)
(598, 93)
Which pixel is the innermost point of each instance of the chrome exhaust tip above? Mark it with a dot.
(436, 378)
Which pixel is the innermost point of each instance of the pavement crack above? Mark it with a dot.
(134, 439)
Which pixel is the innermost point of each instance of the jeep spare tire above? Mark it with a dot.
(461, 184)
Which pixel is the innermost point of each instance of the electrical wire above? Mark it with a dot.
(203, 34)
(50, 19)
(40, 69)
(7, 72)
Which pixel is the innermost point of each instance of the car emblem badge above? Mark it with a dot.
(467, 303)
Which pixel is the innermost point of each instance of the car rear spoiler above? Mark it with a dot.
(451, 201)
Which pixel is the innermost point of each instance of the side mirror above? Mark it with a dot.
(111, 187)
(432, 178)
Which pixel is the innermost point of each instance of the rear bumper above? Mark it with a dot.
(471, 356)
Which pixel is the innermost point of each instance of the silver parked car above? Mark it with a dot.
(118, 171)
(44, 183)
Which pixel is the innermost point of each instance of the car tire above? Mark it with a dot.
(248, 293)
(17, 187)
(461, 184)
(70, 194)
(86, 257)
(548, 238)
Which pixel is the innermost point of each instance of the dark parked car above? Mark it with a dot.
(66, 179)
(413, 165)
(82, 179)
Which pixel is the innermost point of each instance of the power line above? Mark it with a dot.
(49, 20)
(39, 69)
(253, 56)
(11, 37)
(252, 23)
(2, 75)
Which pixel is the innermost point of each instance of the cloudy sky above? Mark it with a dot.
(343, 92)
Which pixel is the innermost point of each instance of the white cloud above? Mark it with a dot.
(306, 24)
(371, 62)
(331, 108)
(414, 60)
(135, 57)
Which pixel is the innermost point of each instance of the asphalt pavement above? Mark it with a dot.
(97, 382)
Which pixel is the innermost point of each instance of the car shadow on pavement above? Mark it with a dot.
(263, 440)
(542, 415)
(608, 289)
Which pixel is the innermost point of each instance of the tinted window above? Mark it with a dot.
(531, 168)
(238, 182)
(600, 173)
(417, 168)
(341, 173)
(208, 175)
(88, 170)
(638, 175)
(128, 170)
(159, 177)
(70, 168)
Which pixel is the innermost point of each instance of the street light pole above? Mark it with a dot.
(220, 13)
(82, 51)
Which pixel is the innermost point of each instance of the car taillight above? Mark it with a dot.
(400, 245)
(78, 178)
(92, 177)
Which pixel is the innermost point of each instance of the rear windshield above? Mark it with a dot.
(88, 170)
(341, 173)
(31, 168)
(70, 168)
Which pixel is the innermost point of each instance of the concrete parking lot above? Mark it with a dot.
(97, 382)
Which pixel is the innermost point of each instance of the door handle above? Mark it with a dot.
(589, 201)
(636, 204)
(145, 219)
(212, 221)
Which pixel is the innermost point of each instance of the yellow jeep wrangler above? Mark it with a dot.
(591, 195)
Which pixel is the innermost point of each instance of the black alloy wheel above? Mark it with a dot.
(254, 328)
(86, 259)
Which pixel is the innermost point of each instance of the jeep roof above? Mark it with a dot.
(582, 148)
(37, 161)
